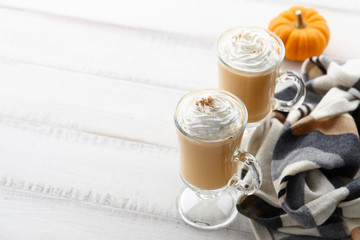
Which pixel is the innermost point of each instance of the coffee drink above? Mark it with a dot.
(248, 62)
(210, 125)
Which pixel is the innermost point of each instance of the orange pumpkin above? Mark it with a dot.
(303, 31)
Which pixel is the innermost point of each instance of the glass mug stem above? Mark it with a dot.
(212, 209)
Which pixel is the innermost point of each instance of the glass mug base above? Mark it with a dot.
(206, 211)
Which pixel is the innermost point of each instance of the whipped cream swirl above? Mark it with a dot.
(210, 115)
(249, 49)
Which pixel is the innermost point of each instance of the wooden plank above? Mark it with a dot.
(26, 215)
(217, 16)
(117, 52)
(90, 168)
(88, 103)
(139, 12)
(49, 171)
(182, 61)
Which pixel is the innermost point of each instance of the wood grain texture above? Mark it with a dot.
(138, 183)
(201, 22)
(97, 105)
(34, 216)
(90, 168)
(113, 51)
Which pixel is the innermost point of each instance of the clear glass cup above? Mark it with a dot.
(256, 87)
(212, 170)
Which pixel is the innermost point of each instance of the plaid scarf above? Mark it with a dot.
(310, 160)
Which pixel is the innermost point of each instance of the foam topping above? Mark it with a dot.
(249, 49)
(210, 115)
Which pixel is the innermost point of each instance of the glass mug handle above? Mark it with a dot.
(248, 178)
(290, 76)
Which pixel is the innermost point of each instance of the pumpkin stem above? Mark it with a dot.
(300, 23)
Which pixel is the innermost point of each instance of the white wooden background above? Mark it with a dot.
(87, 94)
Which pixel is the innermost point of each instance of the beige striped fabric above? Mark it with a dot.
(310, 161)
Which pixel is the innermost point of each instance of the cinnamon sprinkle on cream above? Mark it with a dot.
(205, 102)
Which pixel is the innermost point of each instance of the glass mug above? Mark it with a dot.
(249, 60)
(213, 165)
